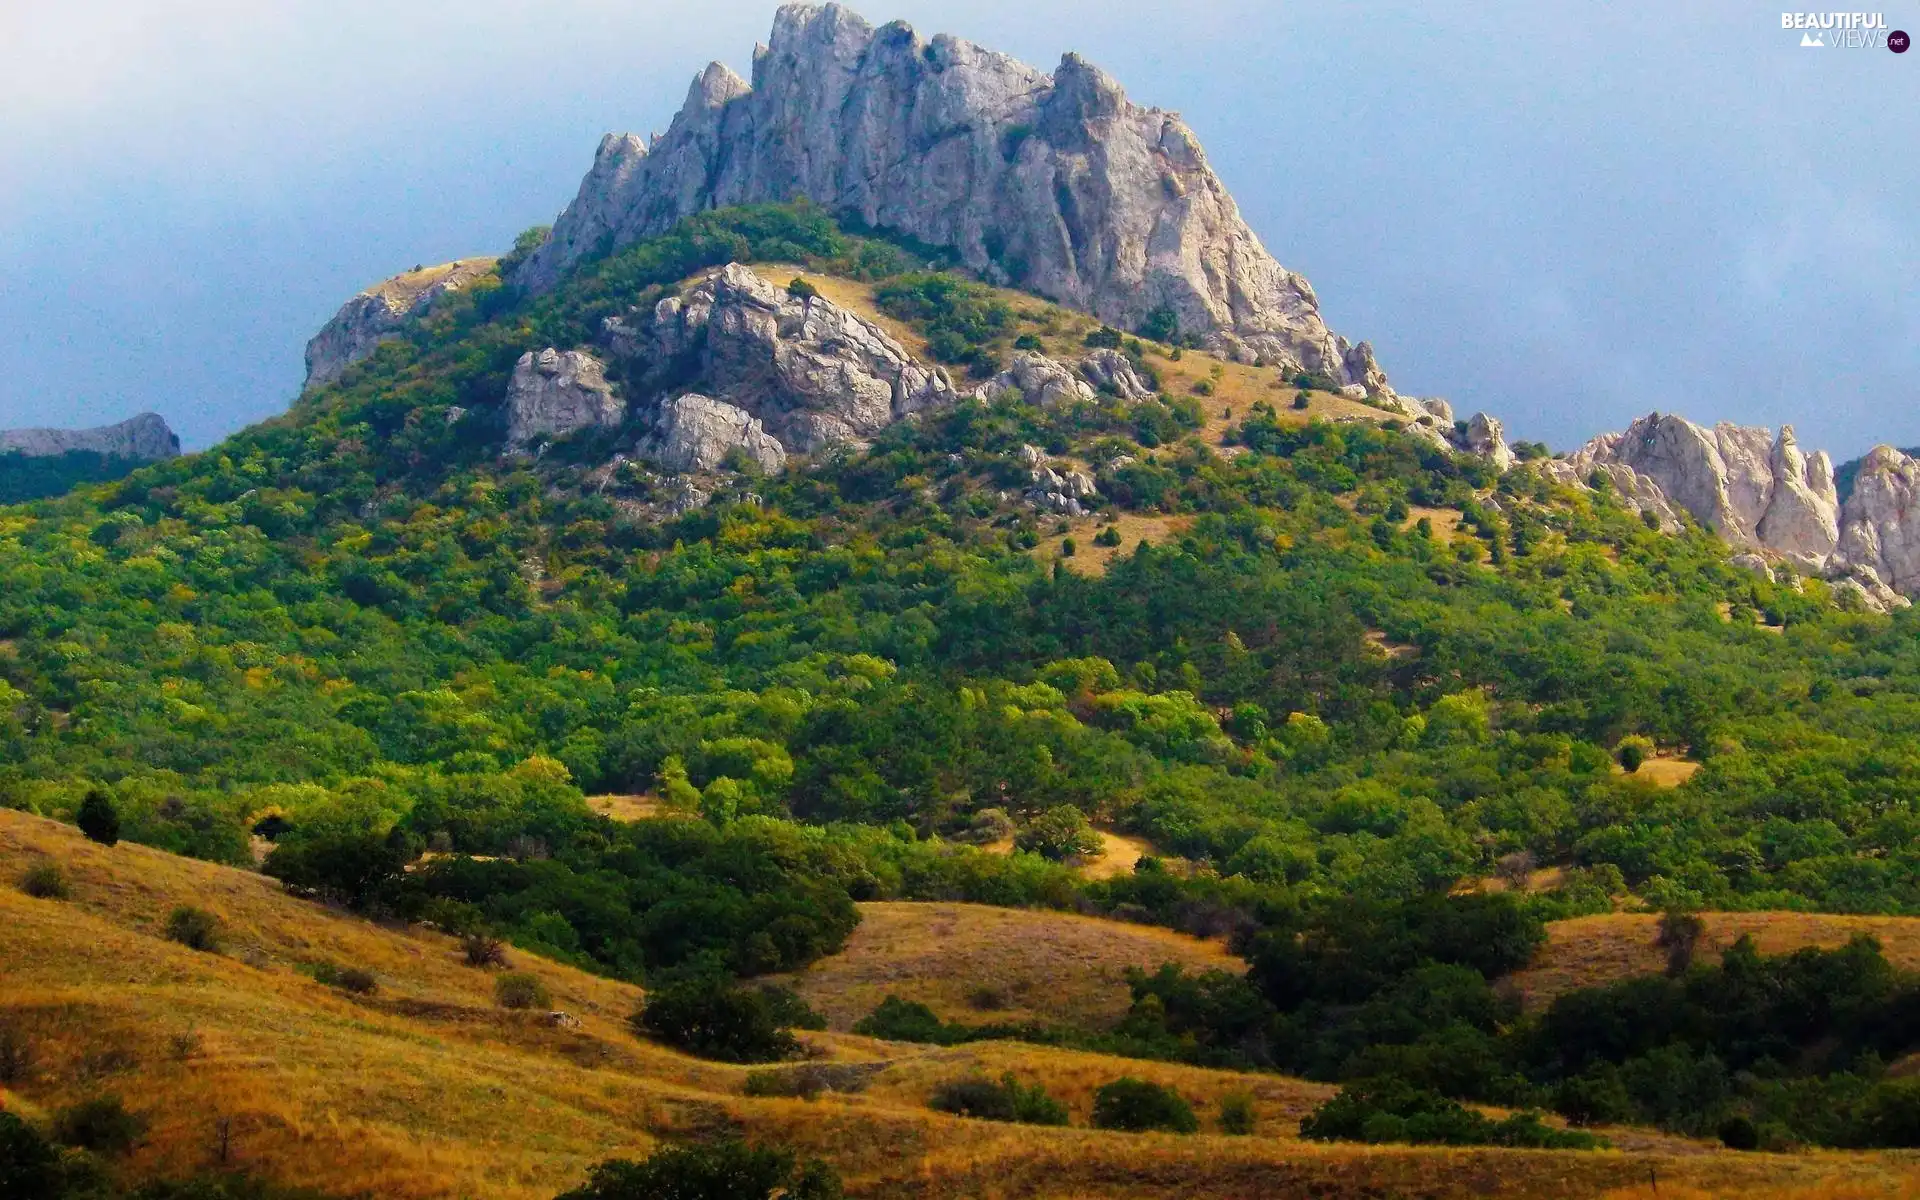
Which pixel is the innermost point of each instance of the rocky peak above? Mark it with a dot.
(145, 438)
(377, 314)
(554, 393)
(1056, 183)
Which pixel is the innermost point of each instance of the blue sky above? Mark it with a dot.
(1564, 214)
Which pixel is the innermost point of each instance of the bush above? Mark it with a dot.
(1739, 1133)
(102, 1125)
(1679, 934)
(45, 881)
(982, 1098)
(725, 1171)
(1301, 400)
(899, 1020)
(717, 1019)
(800, 289)
(1391, 1110)
(1060, 833)
(1136, 1105)
(357, 980)
(1236, 1114)
(194, 928)
(1632, 751)
(520, 990)
(16, 1055)
(483, 950)
(98, 819)
(1110, 536)
(29, 1165)
(1161, 324)
(1104, 338)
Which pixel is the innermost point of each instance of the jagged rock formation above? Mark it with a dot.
(553, 393)
(697, 433)
(378, 313)
(1054, 490)
(145, 438)
(1055, 183)
(1764, 494)
(1433, 421)
(1038, 380)
(814, 374)
(1111, 370)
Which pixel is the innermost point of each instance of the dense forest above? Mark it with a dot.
(360, 630)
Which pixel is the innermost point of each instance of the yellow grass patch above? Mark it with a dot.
(973, 962)
(631, 808)
(1089, 559)
(1666, 770)
(1589, 951)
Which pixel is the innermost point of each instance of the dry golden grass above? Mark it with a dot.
(1089, 559)
(427, 1090)
(1587, 951)
(631, 808)
(1666, 771)
(1038, 966)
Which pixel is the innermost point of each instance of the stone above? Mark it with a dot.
(378, 313)
(1486, 437)
(554, 392)
(697, 433)
(145, 438)
(1109, 370)
(1753, 562)
(1039, 380)
(1055, 183)
(1080, 486)
(1032, 456)
(814, 374)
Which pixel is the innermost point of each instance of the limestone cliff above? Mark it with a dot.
(378, 313)
(1056, 183)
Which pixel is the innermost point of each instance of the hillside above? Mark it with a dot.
(428, 1089)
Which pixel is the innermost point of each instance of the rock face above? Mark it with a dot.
(554, 393)
(144, 438)
(813, 374)
(1038, 380)
(378, 313)
(1056, 183)
(697, 433)
(1764, 494)
(1112, 371)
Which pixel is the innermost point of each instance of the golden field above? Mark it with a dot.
(428, 1090)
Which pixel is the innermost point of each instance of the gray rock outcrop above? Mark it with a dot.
(1880, 524)
(554, 392)
(814, 374)
(145, 438)
(1110, 370)
(1056, 183)
(1486, 437)
(378, 313)
(697, 433)
(1038, 380)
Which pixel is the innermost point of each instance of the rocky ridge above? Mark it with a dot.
(378, 313)
(1055, 183)
(145, 438)
(1766, 496)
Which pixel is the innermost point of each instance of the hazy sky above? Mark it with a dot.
(1566, 214)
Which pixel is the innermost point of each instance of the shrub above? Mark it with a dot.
(357, 980)
(521, 990)
(194, 928)
(717, 1019)
(800, 289)
(1161, 324)
(1739, 1133)
(1679, 935)
(1027, 341)
(98, 819)
(1104, 338)
(1392, 1110)
(483, 950)
(986, 1100)
(1236, 1114)
(899, 1020)
(724, 1171)
(1068, 548)
(102, 1125)
(1301, 400)
(1202, 387)
(1060, 833)
(45, 881)
(1136, 1105)
(1632, 751)
(1110, 536)
(30, 1166)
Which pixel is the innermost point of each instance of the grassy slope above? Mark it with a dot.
(428, 1090)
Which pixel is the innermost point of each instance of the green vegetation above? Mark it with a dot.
(45, 881)
(1391, 1111)
(963, 321)
(722, 1171)
(1005, 1100)
(1135, 1105)
(519, 990)
(24, 478)
(194, 928)
(714, 1019)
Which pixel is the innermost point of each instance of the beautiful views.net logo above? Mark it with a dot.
(1851, 31)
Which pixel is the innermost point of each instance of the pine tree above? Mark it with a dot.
(98, 819)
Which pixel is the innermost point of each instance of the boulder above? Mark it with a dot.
(1486, 437)
(556, 392)
(697, 433)
(1110, 370)
(1055, 183)
(1038, 379)
(1880, 525)
(813, 373)
(377, 314)
(145, 438)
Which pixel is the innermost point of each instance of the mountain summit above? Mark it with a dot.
(1053, 183)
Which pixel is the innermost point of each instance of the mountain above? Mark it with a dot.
(378, 313)
(1057, 184)
(144, 438)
